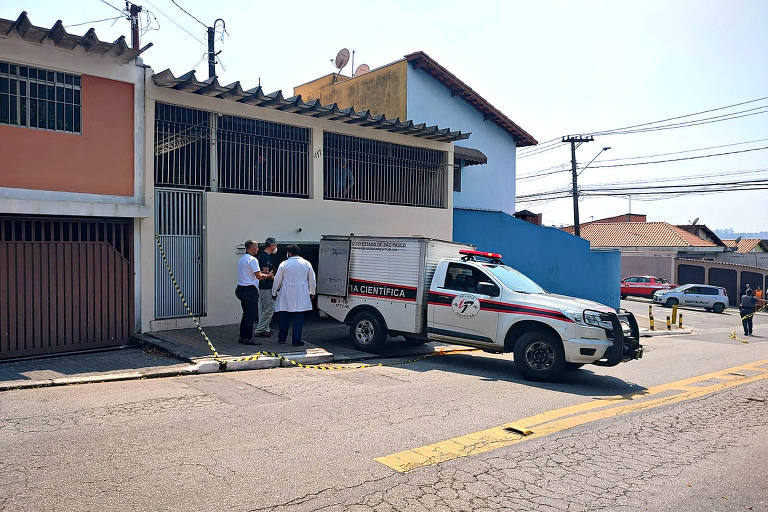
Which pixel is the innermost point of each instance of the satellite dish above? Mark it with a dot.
(695, 221)
(341, 58)
(738, 240)
(362, 69)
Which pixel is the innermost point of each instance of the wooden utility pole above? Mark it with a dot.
(574, 139)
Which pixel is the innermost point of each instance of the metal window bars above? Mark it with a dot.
(39, 98)
(371, 171)
(261, 157)
(253, 156)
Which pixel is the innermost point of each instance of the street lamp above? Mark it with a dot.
(606, 148)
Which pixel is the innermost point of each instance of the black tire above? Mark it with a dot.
(718, 308)
(573, 366)
(368, 332)
(539, 355)
(671, 302)
(622, 297)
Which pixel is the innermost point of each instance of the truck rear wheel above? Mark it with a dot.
(368, 332)
(539, 355)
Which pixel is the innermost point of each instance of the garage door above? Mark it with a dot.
(65, 284)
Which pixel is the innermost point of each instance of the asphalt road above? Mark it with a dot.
(294, 439)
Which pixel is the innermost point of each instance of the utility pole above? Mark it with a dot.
(134, 11)
(574, 139)
(212, 53)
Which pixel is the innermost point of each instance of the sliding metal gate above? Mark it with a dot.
(65, 284)
(179, 224)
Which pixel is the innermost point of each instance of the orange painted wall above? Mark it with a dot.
(97, 161)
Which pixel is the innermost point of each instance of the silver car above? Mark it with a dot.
(711, 298)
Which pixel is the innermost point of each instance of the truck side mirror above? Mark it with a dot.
(490, 289)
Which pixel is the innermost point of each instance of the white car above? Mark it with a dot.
(711, 298)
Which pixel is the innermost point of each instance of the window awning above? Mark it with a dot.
(469, 156)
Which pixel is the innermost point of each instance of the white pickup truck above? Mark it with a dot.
(426, 289)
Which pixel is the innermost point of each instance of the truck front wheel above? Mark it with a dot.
(539, 355)
(367, 332)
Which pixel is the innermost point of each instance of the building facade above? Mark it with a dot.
(225, 165)
(71, 189)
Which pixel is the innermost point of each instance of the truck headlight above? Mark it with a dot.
(596, 319)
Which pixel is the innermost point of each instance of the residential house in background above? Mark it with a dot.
(484, 188)
(681, 254)
(71, 189)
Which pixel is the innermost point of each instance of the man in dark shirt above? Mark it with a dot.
(747, 310)
(266, 303)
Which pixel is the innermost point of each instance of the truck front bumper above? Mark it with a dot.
(620, 344)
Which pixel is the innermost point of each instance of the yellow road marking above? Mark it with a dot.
(557, 420)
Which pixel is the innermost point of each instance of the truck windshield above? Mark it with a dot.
(514, 280)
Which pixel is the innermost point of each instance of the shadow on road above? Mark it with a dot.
(579, 382)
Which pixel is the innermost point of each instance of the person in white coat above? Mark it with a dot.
(293, 291)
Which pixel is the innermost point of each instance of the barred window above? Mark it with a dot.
(182, 148)
(39, 98)
(261, 157)
(372, 171)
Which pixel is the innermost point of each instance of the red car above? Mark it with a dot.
(643, 286)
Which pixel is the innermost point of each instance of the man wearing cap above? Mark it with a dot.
(266, 304)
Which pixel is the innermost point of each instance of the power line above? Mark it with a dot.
(93, 21)
(680, 117)
(175, 23)
(687, 177)
(189, 13)
(121, 11)
(681, 159)
(696, 122)
(683, 151)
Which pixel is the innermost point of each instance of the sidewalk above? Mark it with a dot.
(325, 341)
(106, 365)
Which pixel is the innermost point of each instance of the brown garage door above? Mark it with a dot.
(65, 284)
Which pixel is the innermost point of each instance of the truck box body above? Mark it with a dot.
(393, 274)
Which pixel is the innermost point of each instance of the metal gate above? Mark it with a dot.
(65, 284)
(179, 224)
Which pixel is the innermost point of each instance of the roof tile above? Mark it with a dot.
(640, 234)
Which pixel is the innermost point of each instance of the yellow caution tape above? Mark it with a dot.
(223, 362)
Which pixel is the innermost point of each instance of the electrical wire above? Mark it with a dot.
(683, 151)
(679, 117)
(681, 159)
(121, 11)
(189, 13)
(93, 21)
(698, 122)
(175, 23)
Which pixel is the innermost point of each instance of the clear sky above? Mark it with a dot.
(554, 67)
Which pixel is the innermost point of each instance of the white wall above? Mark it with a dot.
(233, 218)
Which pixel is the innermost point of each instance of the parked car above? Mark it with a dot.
(711, 298)
(643, 286)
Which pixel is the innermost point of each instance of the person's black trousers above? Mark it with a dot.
(249, 300)
(294, 317)
(747, 322)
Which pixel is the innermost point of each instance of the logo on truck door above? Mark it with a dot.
(466, 305)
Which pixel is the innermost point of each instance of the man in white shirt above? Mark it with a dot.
(293, 292)
(248, 276)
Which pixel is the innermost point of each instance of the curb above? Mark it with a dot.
(652, 334)
(109, 377)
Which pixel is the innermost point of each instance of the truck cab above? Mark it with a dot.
(427, 290)
(477, 300)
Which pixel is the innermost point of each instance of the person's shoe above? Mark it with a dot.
(250, 342)
(298, 344)
(264, 334)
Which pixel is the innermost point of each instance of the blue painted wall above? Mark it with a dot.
(558, 261)
(486, 187)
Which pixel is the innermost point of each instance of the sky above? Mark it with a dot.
(553, 67)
